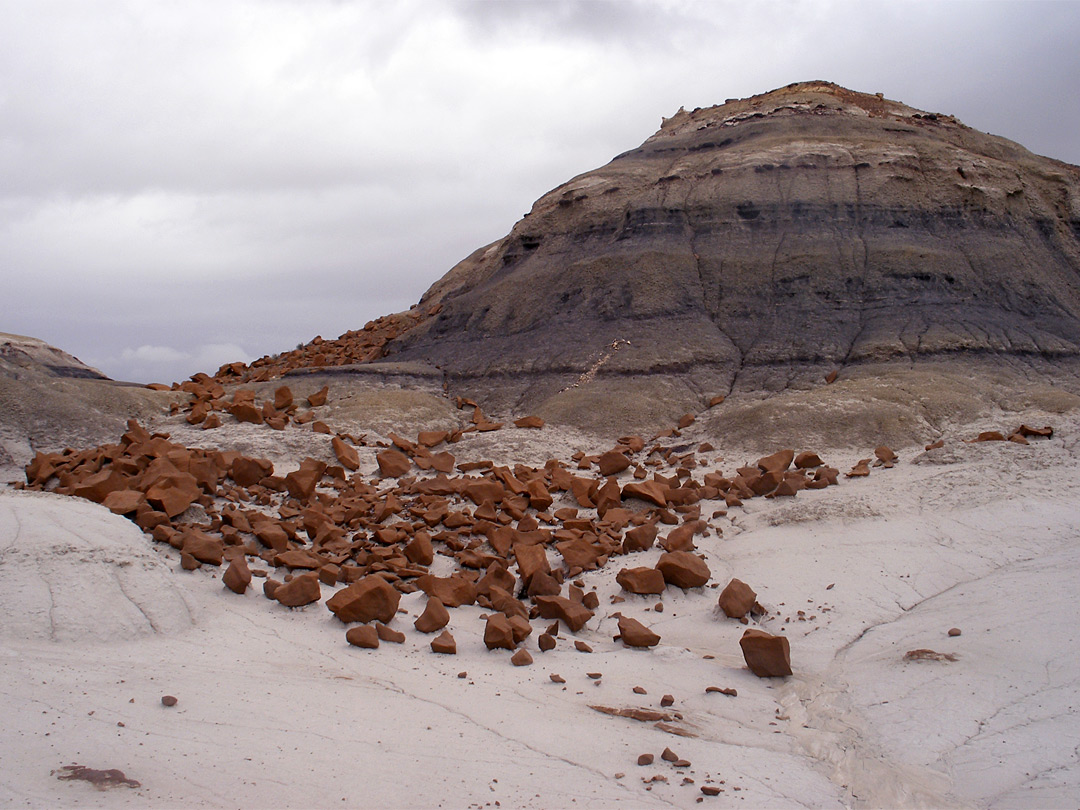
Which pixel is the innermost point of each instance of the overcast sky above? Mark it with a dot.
(184, 184)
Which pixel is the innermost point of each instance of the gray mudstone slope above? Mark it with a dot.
(759, 244)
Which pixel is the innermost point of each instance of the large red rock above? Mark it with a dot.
(202, 547)
(807, 460)
(237, 576)
(419, 550)
(640, 538)
(248, 471)
(612, 462)
(635, 634)
(777, 462)
(301, 483)
(766, 655)
(173, 492)
(368, 599)
(683, 569)
(498, 632)
(579, 553)
(283, 398)
(651, 491)
(435, 617)
(319, 397)
(641, 580)
(363, 635)
(681, 538)
(737, 599)
(301, 590)
(123, 501)
(346, 454)
(393, 463)
(531, 559)
(452, 591)
(444, 643)
(573, 614)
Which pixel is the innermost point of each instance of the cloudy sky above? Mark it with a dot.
(184, 184)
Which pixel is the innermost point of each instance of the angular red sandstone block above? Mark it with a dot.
(452, 591)
(498, 633)
(237, 576)
(570, 613)
(368, 599)
(319, 397)
(346, 454)
(737, 599)
(300, 591)
(393, 463)
(766, 655)
(635, 634)
(683, 569)
(641, 580)
(363, 635)
(444, 643)
(435, 617)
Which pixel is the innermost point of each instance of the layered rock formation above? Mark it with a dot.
(767, 240)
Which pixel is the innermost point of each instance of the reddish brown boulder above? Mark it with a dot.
(860, 470)
(283, 398)
(572, 614)
(766, 655)
(1030, 432)
(935, 445)
(886, 456)
(546, 642)
(237, 576)
(530, 559)
(683, 569)
(173, 492)
(807, 460)
(496, 576)
(365, 600)
(202, 547)
(651, 491)
(301, 590)
(419, 550)
(737, 599)
(123, 501)
(635, 634)
(641, 580)
(389, 634)
(990, 436)
(248, 471)
(453, 591)
(444, 643)
(579, 553)
(363, 635)
(681, 538)
(301, 483)
(435, 617)
(246, 412)
(777, 462)
(346, 454)
(271, 535)
(612, 462)
(520, 627)
(393, 463)
(319, 397)
(506, 603)
(639, 538)
(522, 658)
(498, 633)
(529, 422)
(542, 583)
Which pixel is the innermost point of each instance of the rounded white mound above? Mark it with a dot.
(70, 570)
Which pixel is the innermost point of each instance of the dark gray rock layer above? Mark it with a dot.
(747, 244)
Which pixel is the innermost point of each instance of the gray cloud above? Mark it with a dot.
(179, 178)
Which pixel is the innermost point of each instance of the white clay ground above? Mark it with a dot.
(275, 709)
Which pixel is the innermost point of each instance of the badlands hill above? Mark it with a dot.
(758, 246)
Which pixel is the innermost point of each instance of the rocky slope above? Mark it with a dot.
(758, 245)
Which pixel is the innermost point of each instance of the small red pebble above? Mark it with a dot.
(168, 700)
(667, 700)
(645, 759)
